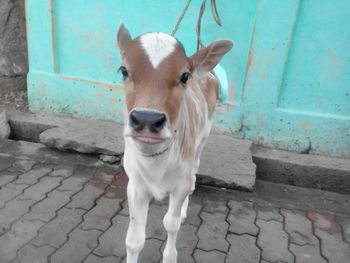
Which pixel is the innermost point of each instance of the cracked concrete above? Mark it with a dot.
(61, 209)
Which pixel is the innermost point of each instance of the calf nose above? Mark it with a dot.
(155, 121)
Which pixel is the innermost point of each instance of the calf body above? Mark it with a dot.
(169, 101)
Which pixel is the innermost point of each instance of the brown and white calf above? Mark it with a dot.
(169, 101)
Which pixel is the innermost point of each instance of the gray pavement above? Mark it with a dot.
(67, 207)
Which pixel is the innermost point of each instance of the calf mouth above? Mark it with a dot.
(147, 143)
(148, 139)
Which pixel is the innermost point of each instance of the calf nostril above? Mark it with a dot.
(139, 119)
(134, 122)
(158, 125)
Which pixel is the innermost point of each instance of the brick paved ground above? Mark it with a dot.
(65, 207)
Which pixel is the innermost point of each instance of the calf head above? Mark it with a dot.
(156, 74)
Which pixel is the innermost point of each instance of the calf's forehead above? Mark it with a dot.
(157, 51)
(158, 46)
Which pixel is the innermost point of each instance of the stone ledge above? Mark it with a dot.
(225, 162)
(304, 170)
(64, 133)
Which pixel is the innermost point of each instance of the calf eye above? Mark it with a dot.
(124, 72)
(184, 78)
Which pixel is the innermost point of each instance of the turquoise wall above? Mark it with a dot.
(288, 73)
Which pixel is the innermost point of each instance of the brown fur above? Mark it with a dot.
(156, 88)
(160, 88)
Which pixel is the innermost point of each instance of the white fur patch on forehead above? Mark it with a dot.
(158, 46)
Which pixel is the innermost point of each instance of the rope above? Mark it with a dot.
(199, 20)
(181, 17)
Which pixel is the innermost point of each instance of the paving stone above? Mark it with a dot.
(112, 241)
(86, 198)
(33, 175)
(78, 247)
(209, 257)
(96, 259)
(151, 251)
(212, 232)
(21, 232)
(6, 161)
(213, 206)
(6, 178)
(12, 211)
(186, 243)
(38, 191)
(10, 191)
(41, 154)
(299, 227)
(4, 145)
(46, 209)
(55, 233)
(22, 148)
(193, 211)
(242, 249)
(115, 179)
(155, 228)
(324, 222)
(63, 171)
(125, 208)
(303, 243)
(33, 254)
(242, 217)
(307, 254)
(273, 241)
(73, 184)
(269, 213)
(22, 165)
(333, 247)
(100, 216)
(185, 258)
(345, 223)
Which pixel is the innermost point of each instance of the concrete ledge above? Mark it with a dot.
(64, 133)
(226, 162)
(305, 170)
(219, 165)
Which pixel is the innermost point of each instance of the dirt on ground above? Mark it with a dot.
(14, 100)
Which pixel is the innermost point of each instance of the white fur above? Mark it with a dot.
(164, 174)
(157, 46)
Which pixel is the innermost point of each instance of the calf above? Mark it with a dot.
(169, 101)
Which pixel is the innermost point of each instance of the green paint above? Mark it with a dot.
(288, 73)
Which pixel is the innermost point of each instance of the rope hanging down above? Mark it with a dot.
(199, 20)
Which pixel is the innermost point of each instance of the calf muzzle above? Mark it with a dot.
(139, 119)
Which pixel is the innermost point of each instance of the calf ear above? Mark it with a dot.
(123, 38)
(207, 58)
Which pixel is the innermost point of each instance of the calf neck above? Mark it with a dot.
(169, 99)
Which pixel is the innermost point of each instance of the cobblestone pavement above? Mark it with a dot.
(65, 207)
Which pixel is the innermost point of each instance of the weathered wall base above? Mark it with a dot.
(13, 54)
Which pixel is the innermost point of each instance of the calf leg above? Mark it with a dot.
(184, 209)
(172, 223)
(138, 208)
(193, 185)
